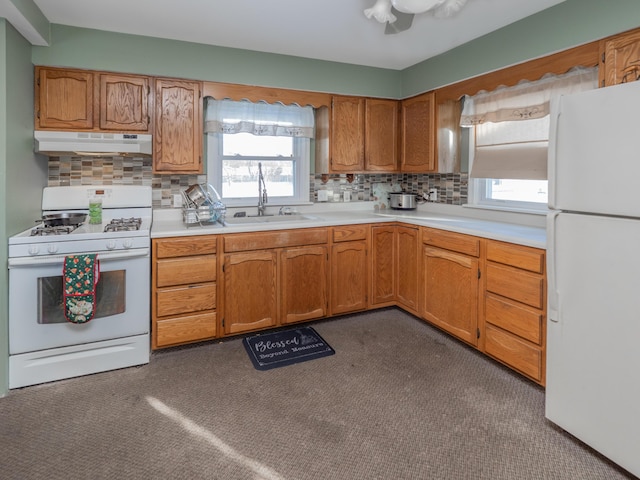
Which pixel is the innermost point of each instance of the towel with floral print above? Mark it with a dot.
(80, 274)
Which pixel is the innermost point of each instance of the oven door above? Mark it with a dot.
(36, 308)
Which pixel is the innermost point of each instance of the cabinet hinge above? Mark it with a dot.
(603, 57)
(38, 114)
(223, 323)
(477, 333)
(479, 273)
(38, 81)
(223, 268)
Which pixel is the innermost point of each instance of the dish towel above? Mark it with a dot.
(80, 274)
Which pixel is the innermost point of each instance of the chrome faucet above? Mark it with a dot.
(262, 192)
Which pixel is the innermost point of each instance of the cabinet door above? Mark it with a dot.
(124, 103)
(178, 137)
(383, 268)
(250, 291)
(418, 134)
(381, 135)
(64, 99)
(407, 267)
(348, 277)
(347, 134)
(621, 59)
(303, 283)
(450, 296)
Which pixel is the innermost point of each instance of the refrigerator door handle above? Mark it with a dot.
(554, 128)
(553, 297)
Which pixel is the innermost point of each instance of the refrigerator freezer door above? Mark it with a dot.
(594, 151)
(593, 344)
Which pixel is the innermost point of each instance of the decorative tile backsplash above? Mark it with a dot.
(451, 187)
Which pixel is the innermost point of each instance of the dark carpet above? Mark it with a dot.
(398, 400)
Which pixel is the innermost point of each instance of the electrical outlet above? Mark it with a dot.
(177, 200)
(433, 194)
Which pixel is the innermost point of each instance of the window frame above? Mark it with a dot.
(302, 167)
(478, 187)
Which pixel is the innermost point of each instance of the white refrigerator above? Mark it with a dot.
(593, 269)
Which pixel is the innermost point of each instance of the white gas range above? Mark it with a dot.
(44, 342)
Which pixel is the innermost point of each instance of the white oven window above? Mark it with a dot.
(110, 297)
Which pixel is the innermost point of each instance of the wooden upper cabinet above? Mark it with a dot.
(67, 99)
(418, 134)
(347, 134)
(364, 136)
(124, 103)
(381, 135)
(64, 99)
(178, 136)
(620, 59)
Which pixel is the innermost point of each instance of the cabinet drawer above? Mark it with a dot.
(527, 258)
(515, 318)
(350, 232)
(173, 331)
(514, 352)
(183, 271)
(452, 241)
(185, 246)
(179, 300)
(282, 238)
(516, 284)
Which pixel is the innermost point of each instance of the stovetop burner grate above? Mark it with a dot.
(44, 230)
(123, 224)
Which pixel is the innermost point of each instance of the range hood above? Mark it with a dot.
(92, 143)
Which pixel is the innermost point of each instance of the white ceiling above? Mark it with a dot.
(334, 30)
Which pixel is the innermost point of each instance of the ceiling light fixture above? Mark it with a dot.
(398, 14)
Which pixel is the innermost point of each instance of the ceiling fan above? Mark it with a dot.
(398, 14)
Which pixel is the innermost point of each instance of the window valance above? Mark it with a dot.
(261, 118)
(526, 100)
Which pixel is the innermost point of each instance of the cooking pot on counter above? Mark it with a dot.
(403, 201)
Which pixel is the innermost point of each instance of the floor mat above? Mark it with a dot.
(277, 349)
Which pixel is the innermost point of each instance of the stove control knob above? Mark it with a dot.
(33, 249)
(111, 245)
(52, 248)
(127, 243)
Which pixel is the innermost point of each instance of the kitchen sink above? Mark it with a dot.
(269, 219)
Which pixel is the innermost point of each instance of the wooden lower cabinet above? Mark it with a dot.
(349, 272)
(487, 293)
(383, 265)
(451, 282)
(303, 286)
(395, 263)
(274, 278)
(184, 290)
(450, 296)
(407, 267)
(251, 296)
(514, 308)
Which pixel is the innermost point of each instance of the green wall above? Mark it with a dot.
(22, 175)
(570, 23)
(566, 25)
(99, 50)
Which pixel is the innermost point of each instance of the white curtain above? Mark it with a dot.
(228, 116)
(512, 124)
(526, 100)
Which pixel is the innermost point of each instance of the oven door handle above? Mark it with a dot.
(59, 259)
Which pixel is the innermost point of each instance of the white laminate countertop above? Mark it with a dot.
(168, 223)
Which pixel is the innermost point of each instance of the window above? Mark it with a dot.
(508, 133)
(242, 135)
